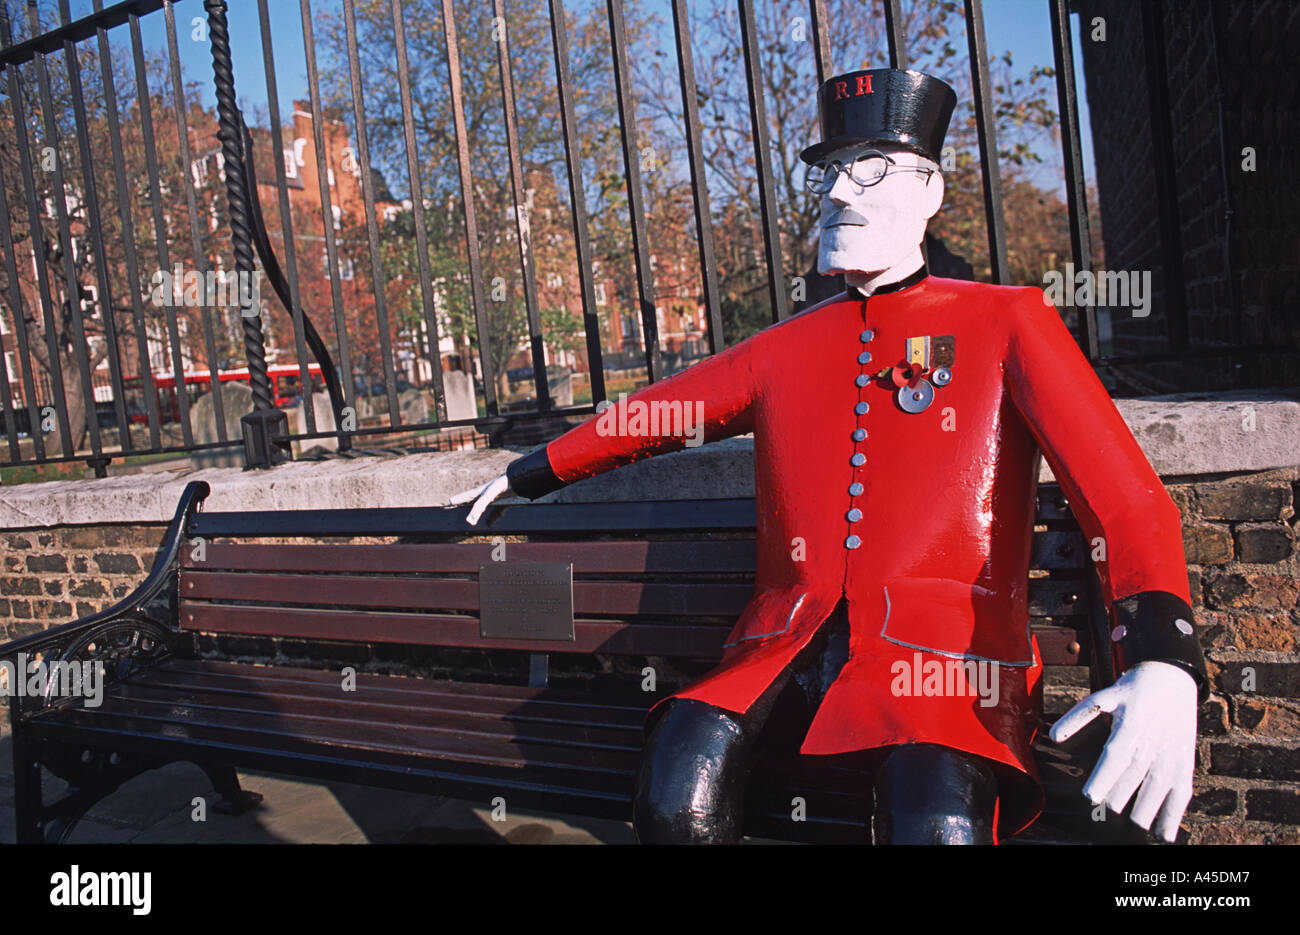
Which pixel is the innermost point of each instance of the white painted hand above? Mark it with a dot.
(482, 497)
(1152, 744)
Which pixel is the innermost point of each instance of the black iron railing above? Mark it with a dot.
(49, 319)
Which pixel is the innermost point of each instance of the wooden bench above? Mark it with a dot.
(542, 724)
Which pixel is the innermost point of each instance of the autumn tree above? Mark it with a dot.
(786, 75)
(541, 150)
(88, 271)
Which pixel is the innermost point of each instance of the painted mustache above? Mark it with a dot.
(845, 216)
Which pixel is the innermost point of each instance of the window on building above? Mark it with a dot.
(345, 265)
(89, 301)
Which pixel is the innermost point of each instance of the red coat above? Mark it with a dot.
(939, 567)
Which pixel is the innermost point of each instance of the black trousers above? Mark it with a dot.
(694, 771)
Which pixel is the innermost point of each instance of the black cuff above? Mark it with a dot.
(1156, 626)
(531, 476)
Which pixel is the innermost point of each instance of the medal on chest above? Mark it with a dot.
(926, 364)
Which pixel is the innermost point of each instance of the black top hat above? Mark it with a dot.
(883, 105)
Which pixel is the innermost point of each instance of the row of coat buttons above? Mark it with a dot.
(859, 434)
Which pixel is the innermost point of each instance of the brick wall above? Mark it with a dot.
(1240, 537)
(54, 575)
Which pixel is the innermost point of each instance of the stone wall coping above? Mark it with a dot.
(1182, 437)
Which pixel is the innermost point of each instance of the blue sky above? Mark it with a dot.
(1024, 28)
(1021, 26)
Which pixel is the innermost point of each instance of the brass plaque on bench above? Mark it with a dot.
(526, 600)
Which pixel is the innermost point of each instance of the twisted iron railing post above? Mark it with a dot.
(266, 428)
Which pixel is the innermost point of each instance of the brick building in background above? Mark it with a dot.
(347, 212)
(678, 297)
(1179, 90)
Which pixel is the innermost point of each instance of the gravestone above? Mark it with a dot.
(459, 389)
(236, 402)
(324, 423)
(561, 388)
(414, 407)
(368, 407)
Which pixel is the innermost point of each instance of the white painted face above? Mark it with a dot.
(871, 229)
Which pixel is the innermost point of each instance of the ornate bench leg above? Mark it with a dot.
(225, 782)
(91, 774)
(29, 810)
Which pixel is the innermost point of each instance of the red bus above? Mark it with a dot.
(285, 382)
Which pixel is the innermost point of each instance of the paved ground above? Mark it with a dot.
(156, 808)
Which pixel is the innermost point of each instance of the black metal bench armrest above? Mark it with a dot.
(136, 604)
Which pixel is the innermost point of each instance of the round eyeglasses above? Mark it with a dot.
(866, 169)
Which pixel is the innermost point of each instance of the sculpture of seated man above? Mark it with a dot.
(897, 433)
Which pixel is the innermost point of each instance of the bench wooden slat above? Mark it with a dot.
(362, 739)
(325, 698)
(1054, 645)
(713, 556)
(1051, 506)
(399, 687)
(667, 516)
(299, 716)
(407, 693)
(460, 773)
(589, 597)
(1058, 549)
(1047, 597)
(606, 636)
(1054, 597)
(449, 710)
